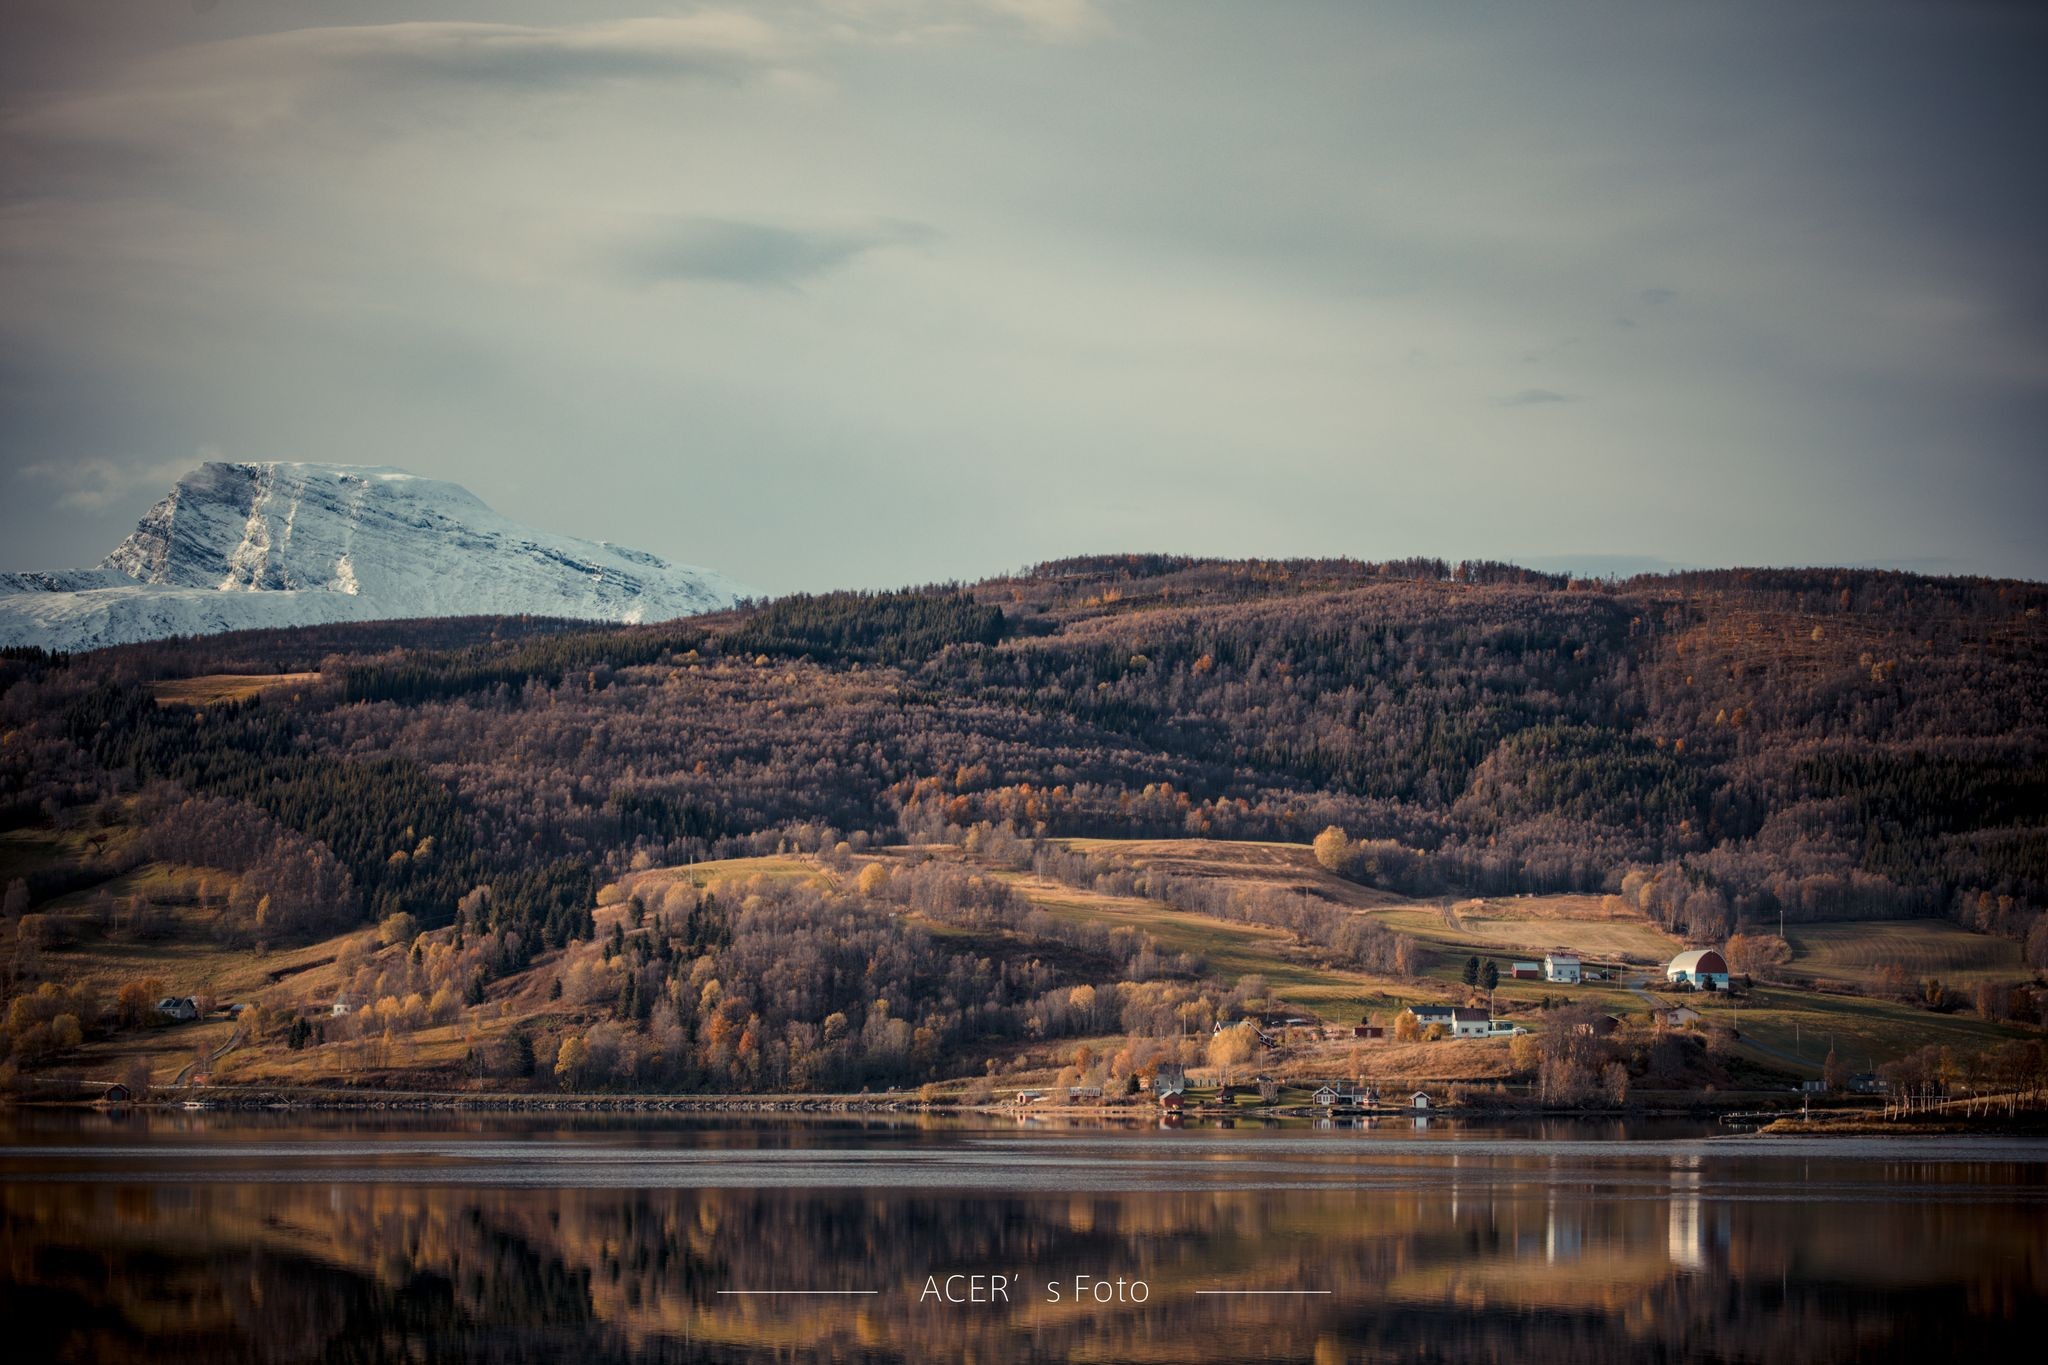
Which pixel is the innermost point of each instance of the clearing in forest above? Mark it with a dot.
(210, 689)
(1860, 952)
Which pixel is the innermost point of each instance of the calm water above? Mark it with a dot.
(220, 1237)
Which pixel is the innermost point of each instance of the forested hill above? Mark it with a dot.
(1715, 747)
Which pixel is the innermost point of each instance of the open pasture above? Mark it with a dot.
(1861, 952)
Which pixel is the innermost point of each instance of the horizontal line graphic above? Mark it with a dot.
(799, 1291)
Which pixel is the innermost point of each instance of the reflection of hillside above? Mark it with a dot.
(1474, 1268)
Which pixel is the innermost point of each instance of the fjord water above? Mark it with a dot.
(224, 1237)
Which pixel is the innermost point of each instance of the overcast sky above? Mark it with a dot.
(863, 292)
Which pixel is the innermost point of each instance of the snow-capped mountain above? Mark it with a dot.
(251, 546)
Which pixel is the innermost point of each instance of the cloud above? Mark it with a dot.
(246, 85)
(759, 255)
(1530, 398)
(95, 483)
(898, 21)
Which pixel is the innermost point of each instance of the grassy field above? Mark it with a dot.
(1291, 867)
(653, 883)
(1231, 950)
(1865, 1032)
(210, 689)
(1530, 926)
(1859, 951)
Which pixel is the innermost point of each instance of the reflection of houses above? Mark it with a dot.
(1697, 1232)
(1564, 1234)
(1562, 968)
(180, 1007)
(1702, 969)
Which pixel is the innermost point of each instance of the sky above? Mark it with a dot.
(835, 293)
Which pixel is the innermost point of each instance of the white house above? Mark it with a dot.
(1470, 1023)
(1562, 968)
(1702, 968)
(340, 1006)
(1419, 1100)
(1328, 1097)
(1425, 1015)
(180, 1007)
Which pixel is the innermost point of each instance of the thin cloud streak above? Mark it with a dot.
(760, 255)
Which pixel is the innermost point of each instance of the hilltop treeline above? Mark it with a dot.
(1716, 748)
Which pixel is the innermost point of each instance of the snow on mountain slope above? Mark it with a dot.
(252, 546)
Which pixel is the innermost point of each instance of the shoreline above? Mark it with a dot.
(1743, 1112)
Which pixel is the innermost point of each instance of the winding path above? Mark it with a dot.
(184, 1076)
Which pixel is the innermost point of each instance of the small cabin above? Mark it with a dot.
(1173, 1101)
(1368, 1031)
(1526, 971)
(1328, 1097)
(340, 1007)
(116, 1093)
(1680, 1016)
(1028, 1097)
(1562, 968)
(1419, 1100)
(180, 1007)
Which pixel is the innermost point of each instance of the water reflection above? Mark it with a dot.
(239, 1240)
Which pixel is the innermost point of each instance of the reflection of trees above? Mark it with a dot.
(1491, 1266)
